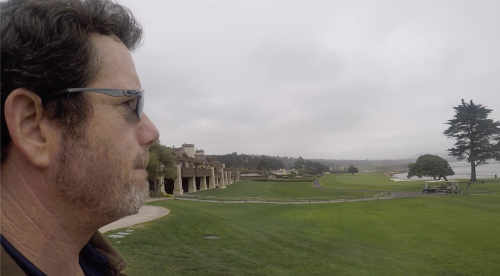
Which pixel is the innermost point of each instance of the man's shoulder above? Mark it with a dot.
(114, 260)
(8, 266)
(113, 263)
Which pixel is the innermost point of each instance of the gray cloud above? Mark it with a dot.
(331, 79)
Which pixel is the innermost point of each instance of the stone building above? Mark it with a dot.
(195, 173)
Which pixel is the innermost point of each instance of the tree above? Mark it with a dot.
(308, 167)
(153, 167)
(352, 169)
(269, 163)
(430, 165)
(161, 163)
(474, 134)
(300, 163)
(497, 149)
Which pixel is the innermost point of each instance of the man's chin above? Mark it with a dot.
(134, 211)
(130, 210)
(139, 199)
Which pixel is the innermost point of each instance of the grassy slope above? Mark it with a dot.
(420, 236)
(277, 191)
(333, 187)
(368, 181)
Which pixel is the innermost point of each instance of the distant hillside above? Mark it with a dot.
(367, 165)
(256, 162)
(247, 161)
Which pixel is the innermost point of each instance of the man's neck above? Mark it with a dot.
(46, 233)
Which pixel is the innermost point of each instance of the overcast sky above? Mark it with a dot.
(319, 79)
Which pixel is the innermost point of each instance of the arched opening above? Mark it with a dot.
(169, 186)
(198, 183)
(185, 184)
(151, 187)
(207, 180)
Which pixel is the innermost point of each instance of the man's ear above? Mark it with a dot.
(27, 126)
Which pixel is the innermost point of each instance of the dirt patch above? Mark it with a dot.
(211, 237)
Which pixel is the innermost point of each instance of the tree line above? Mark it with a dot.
(268, 163)
(248, 161)
(308, 167)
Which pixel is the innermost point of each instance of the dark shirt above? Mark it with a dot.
(91, 261)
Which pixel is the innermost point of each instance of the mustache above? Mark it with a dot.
(141, 161)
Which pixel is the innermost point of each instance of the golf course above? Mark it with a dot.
(215, 233)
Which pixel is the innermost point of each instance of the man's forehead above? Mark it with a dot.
(115, 66)
(107, 44)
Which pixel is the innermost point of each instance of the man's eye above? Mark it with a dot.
(132, 103)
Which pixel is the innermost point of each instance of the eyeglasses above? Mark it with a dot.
(139, 94)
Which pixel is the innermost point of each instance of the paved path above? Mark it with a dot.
(146, 213)
(149, 213)
(393, 195)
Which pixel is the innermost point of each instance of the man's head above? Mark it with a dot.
(91, 146)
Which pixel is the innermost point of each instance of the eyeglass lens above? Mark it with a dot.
(140, 105)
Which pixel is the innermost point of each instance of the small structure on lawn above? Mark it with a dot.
(441, 187)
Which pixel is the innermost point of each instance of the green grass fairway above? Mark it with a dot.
(332, 187)
(439, 235)
(368, 181)
(486, 186)
(449, 235)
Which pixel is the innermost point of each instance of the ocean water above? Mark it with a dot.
(462, 170)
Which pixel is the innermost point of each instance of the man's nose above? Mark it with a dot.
(148, 133)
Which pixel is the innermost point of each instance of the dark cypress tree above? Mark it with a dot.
(475, 135)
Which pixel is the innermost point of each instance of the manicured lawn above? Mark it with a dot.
(441, 235)
(486, 186)
(450, 235)
(277, 191)
(332, 187)
(369, 182)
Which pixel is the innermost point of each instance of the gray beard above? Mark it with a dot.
(88, 181)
